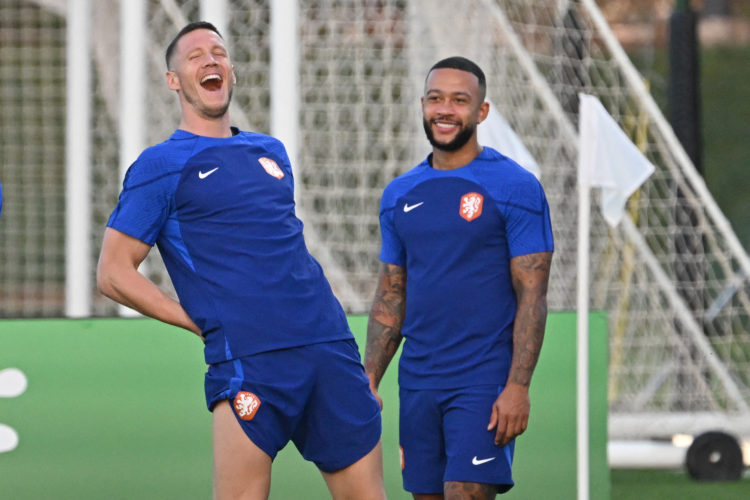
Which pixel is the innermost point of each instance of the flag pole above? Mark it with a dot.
(607, 158)
(582, 357)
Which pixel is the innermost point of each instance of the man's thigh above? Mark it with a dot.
(472, 455)
(316, 395)
(341, 423)
(266, 393)
(362, 480)
(241, 469)
(444, 438)
(421, 440)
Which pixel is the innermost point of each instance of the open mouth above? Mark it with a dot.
(212, 82)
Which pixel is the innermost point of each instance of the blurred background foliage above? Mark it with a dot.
(724, 34)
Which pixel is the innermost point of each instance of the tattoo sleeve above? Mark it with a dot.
(386, 318)
(530, 275)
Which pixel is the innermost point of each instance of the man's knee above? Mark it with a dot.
(457, 490)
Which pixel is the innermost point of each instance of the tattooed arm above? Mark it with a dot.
(384, 324)
(530, 275)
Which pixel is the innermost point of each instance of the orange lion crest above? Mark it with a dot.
(246, 405)
(271, 167)
(471, 206)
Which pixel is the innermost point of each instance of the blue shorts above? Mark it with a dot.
(317, 396)
(444, 437)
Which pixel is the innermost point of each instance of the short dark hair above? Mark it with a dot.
(458, 62)
(197, 25)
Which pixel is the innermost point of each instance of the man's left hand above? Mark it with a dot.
(510, 413)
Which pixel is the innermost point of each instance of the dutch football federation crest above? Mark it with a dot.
(246, 405)
(271, 167)
(471, 206)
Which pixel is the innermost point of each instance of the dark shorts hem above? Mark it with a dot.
(351, 459)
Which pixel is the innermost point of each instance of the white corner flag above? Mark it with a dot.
(608, 159)
(497, 134)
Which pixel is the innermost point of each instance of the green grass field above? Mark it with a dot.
(673, 484)
(114, 409)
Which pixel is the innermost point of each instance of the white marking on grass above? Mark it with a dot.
(13, 383)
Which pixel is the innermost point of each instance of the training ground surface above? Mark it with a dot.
(114, 409)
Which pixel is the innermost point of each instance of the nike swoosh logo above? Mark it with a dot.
(476, 461)
(203, 175)
(409, 208)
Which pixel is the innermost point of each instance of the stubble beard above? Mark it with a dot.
(205, 111)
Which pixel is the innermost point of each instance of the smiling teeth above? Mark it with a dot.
(210, 77)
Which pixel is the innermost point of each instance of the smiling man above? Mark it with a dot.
(466, 252)
(283, 364)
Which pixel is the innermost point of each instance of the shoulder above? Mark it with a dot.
(504, 178)
(265, 145)
(154, 163)
(402, 184)
(257, 139)
(493, 163)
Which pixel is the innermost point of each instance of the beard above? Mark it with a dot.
(207, 112)
(462, 137)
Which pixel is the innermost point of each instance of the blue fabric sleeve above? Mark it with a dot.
(391, 248)
(528, 225)
(145, 200)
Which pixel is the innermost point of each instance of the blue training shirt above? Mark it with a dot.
(455, 232)
(221, 211)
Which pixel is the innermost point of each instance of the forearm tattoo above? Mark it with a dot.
(386, 318)
(530, 274)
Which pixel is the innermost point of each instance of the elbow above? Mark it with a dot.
(104, 282)
(103, 285)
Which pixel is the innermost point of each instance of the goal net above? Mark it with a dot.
(672, 278)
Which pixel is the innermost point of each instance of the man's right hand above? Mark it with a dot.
(376, 394)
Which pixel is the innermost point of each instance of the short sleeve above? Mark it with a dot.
(391, 248)
(527, 220)
(145, 201)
